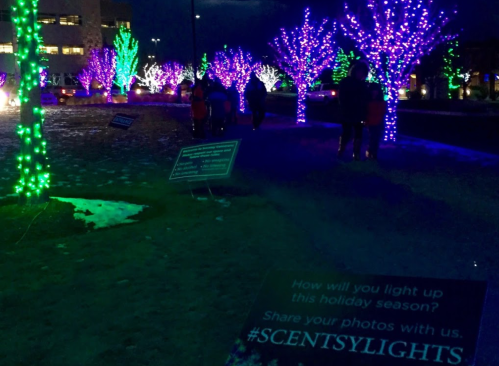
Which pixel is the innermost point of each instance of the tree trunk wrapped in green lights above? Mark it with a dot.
(32, 162)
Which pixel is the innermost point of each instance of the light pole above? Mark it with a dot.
(156, 40)
(194, 47)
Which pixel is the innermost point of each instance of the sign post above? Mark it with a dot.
(205, 162)
(313, 319)
(122, 121)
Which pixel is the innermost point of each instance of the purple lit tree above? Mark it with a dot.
(230, 66)
(43, 77)
(102, 65)
(85, 78)
(400, 32)
(303, 57)
(3, 78)
(174, 74)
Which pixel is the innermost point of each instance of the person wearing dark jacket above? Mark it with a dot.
(217, 98)
(353, 98)
(255, 94)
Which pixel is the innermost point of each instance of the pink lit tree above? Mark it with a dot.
(3, 78)
(397, 35)
(102, 65)
(230, 66)
(85, 78)
(174, 74)
(304, 55)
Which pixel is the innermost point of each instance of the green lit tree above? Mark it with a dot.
(451, 71)
(203, 67)
(342, 65)
(126, 59)
(34, 182)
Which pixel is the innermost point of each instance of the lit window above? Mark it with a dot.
(50, 50)
(108, 23)
(70, 20)
(71, 50)
(124, 23)
(6, 48)
(47, 18)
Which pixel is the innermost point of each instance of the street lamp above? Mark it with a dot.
(194, 48)
(156, 40)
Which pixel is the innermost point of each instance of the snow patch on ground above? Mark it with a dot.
(103, 213)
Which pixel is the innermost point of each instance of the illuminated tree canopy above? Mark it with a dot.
(230, 66)
(398, 34)
(126, 59)
(85, 78)
(154, 78)
(303, 55)
(174, 74)
(269, 75)
(102, 65)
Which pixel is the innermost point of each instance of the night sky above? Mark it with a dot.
(251, 24)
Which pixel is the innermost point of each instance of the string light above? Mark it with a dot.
(269, 75)
(233, 66)
(102, 65)
(174, 74)
(85, 78)
(450, 71)
(34, 181)
(402, 31)
(126, 59)
(188, 73)
(303, 57)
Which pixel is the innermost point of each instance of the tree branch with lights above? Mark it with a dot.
(126, 59)
(304, 54)
(33, 184)
(398, 34)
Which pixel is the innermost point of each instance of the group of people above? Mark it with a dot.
(212, 103)
(361, 104)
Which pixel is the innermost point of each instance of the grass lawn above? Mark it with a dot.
(175, 287)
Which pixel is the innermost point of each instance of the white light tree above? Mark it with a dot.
(269, 75)
(303, 57)
(154, 78)
(394, 38)
(188, 73)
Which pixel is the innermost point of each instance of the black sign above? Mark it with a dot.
(122, 121)
(209, 161)
(312, 319)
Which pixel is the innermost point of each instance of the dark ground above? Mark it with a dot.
(174, 288)
(477, 131)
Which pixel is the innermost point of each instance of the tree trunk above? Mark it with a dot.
(34, 182)
(391, 114)
(300, 114)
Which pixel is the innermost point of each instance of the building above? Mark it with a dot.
(70, 30)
